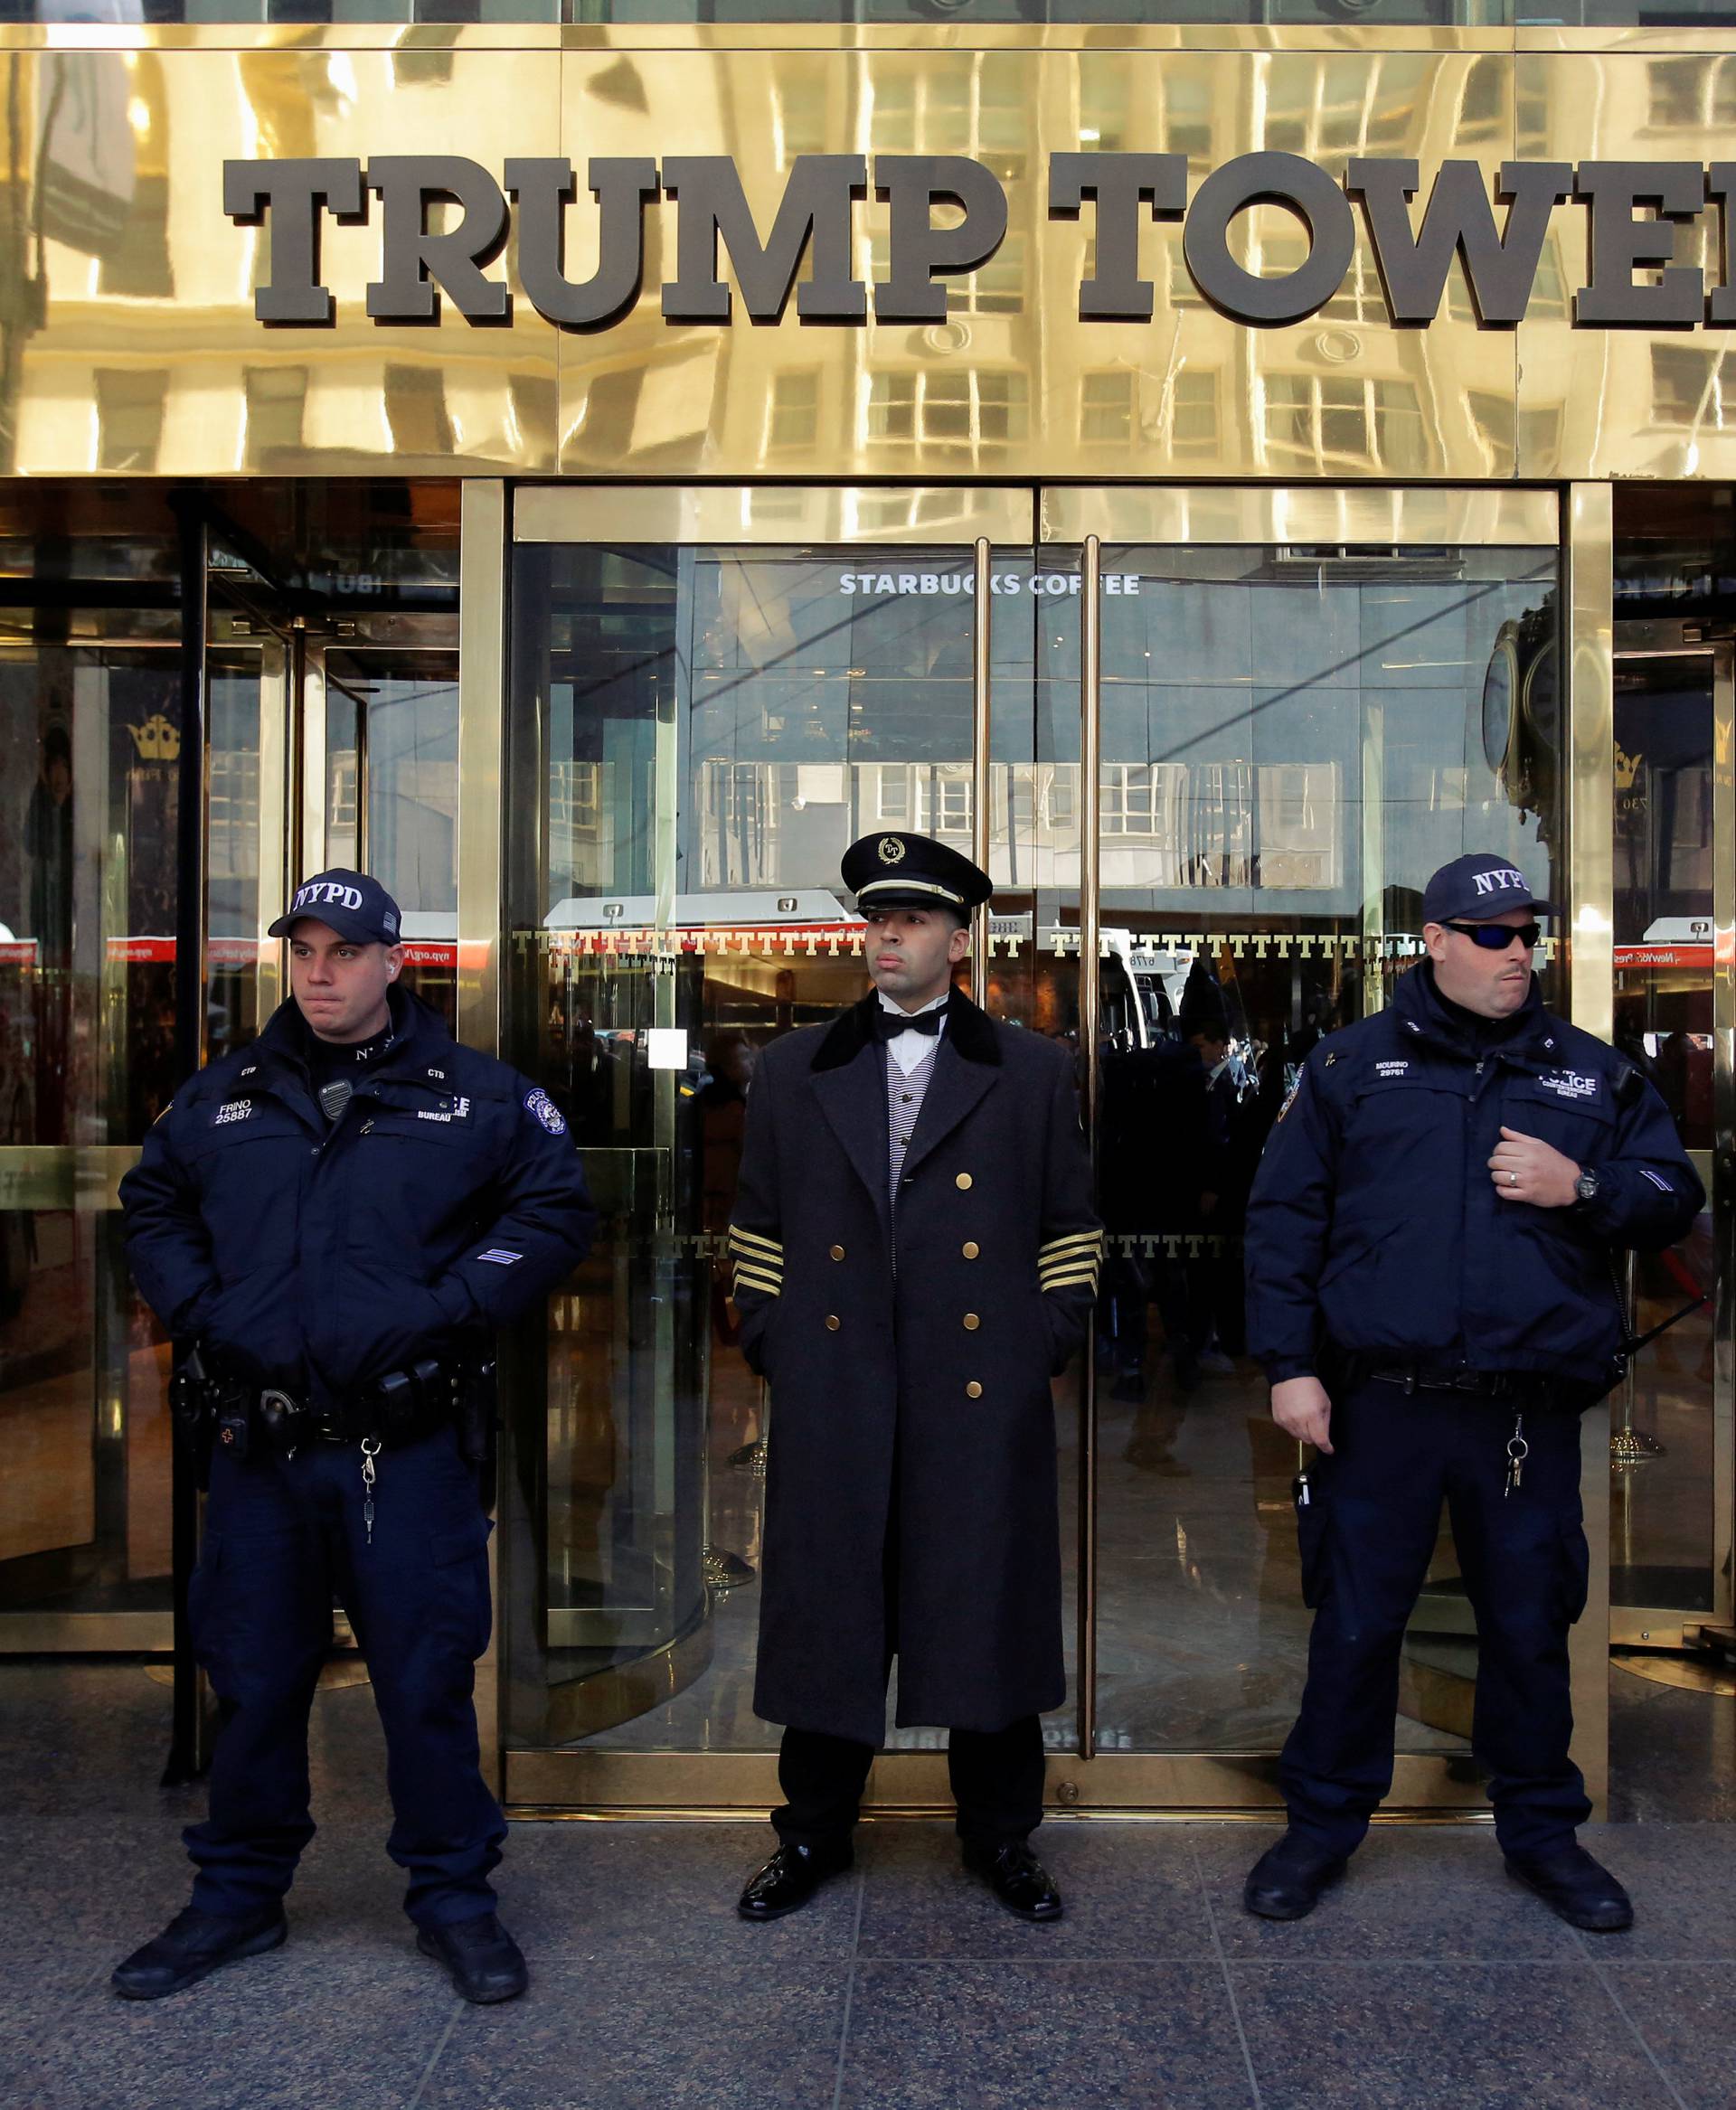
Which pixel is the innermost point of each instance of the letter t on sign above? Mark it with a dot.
(1115, 292)
(293, 193)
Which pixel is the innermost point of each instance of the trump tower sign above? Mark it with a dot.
(948, 217)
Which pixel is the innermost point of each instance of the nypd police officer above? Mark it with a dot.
(333, 1219)
(1431, 1292)
(915, 1253)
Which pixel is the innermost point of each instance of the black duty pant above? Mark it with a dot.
(1367, 1535)
(281, 1535)
(996, 1782)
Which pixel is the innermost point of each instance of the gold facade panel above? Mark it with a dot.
(1013, 382)
(1629, 401)
(1429, 515)
(769, 514)
(133, 347)
(127, 305)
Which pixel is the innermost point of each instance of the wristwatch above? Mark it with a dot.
(1587, 1188)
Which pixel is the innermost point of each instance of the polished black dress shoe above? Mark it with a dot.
(1286, 1880)
(1582, 1889)
(192, 1947)
(485, 1963)
(1018, 1879)
(790, 1878)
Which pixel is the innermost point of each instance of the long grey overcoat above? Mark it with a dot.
(911, 1496)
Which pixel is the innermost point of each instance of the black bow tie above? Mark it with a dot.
(890, 1024)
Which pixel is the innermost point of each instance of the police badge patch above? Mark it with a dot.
(540, 1104)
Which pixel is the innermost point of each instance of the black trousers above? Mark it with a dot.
(997, 1779)
(1367, 1536)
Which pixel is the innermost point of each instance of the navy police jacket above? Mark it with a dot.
(1374, 1224)
(449, 1200)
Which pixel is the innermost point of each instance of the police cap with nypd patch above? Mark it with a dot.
(894, 871)
(349, 902)
(1476, 887)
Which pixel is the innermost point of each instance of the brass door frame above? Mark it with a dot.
(87, 1177)
(1664, 1627)
(605, 1782)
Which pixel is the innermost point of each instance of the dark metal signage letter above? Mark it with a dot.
(915, 183)
(1119, 183)
(816, 204)
(544, 188)
(414, 261)
(1721, 189)
(1268, 179)
(291, 193)
(1621, 245)
(1498, 269)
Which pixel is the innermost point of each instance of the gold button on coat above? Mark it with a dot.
(837, 1252)
(971, 1322)
(832, 1322)
(962, 1180)
(971, 1248)
(972, 1390)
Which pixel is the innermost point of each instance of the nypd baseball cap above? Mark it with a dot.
(349, 902)
(1478, 887)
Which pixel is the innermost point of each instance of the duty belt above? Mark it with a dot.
(400, 1408)
(1482, 1384)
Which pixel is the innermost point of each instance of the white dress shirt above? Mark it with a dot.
(910, 1050)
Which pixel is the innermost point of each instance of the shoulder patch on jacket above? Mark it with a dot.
(545, 1110)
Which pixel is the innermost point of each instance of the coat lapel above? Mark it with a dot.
(953, 1091)
(849, 1080)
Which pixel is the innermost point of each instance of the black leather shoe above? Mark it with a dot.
(1582, 1889)
(790, 1878)
(1286, 1880)
(485, 1963)
(192, 1947)
(1018, 1879)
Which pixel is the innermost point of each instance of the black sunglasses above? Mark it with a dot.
(1496, 938)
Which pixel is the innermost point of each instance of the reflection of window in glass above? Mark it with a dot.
(276, 407)
(1398, 439)
(1360, 298)
(1696, 93)
(341, 805)
(1106, 407)
(1188, 116)
(1193, 414)
(933, 799)
(980, 113)
(800, 117)
(1493, 415)
(1540, 437)
(1481, 111)
(1298, 809)
(795, 410)
(1332, 419)
(1222, 825)
(995, 287)
(1103, 110)
(416, 411)
(964, 405)
(737, 815)
(129, 418)
(234, 807)
(1183, 292)
(1691, 387)
(1127, 802)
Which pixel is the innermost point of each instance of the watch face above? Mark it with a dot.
(1500, 691)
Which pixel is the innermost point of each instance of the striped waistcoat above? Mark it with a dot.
(903, 1103)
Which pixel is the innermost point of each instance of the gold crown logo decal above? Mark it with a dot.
(1627, 768)
(156, 740)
